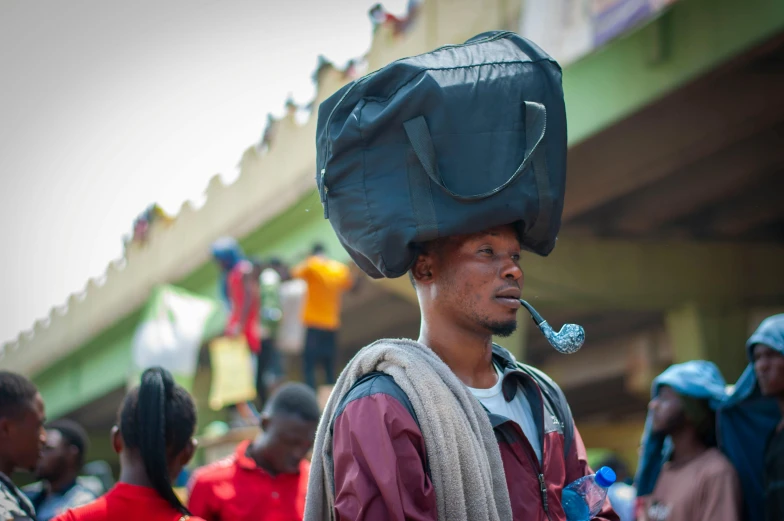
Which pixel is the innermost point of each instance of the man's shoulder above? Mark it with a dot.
(80, 495)
(715, 464)
(33, 490)
(10, 507)
(93, 511)
(373, 384)
(215, 472)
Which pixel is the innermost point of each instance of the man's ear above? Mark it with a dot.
(5, 426)
(265, 422)
(73, 453)
(117, 442)
(423, 268)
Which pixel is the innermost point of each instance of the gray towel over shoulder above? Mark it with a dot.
(465, 462)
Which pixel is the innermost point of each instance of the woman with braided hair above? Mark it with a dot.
(154, 439)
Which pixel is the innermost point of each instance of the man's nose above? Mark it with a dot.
(512, 270)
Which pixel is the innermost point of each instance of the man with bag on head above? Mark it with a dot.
(438, 165)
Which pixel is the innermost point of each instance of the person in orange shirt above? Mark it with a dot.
(327, 280)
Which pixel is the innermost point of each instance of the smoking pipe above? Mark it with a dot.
(567, 341)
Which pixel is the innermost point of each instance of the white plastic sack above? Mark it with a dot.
(291, 331)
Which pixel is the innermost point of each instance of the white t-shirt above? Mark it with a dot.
(518, 410)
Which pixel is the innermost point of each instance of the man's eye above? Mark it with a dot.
(516, 258)
(489, 251)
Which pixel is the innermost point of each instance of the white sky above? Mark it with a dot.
(106, 107)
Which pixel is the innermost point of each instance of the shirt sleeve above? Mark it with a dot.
(721, 498)
(298, 271)
(379, 457)
(236, 295)
(199, 500)
(577, 467)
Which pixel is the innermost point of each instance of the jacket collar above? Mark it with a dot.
(514, 374)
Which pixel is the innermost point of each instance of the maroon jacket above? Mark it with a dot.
(381, 468)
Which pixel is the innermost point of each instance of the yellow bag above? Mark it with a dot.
(233, 377)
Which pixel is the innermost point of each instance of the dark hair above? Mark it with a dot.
(73, 433)
(158, 418)
(699, 414)
(16, 393)
(318, 249)
(294, 399)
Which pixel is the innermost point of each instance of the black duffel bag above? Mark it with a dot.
(454, 141)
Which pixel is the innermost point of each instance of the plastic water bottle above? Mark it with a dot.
(582, 500)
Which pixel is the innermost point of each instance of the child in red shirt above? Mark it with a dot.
(155, 441)
(265, 480)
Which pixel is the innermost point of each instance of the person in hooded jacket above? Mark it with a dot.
(697, 482)
(766, 350)
(746, 419)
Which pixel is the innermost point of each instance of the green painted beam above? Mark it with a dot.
(609, 85)
(95, 369)
(710, 332)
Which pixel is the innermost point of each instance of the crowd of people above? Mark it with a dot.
(154, 438)
(373, 443)
(251, 289)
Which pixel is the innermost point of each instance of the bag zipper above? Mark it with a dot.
(328, 144)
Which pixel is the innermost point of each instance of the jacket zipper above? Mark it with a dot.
(543, 489)
(328, 143)
(539, 467)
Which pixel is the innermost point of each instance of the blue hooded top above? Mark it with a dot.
(228, 253)
(745, 419)
(770, 333)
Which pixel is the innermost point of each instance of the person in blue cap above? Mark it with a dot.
(227, 254)
(696, 482)
(766, 350)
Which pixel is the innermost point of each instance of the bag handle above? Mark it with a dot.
(422, 143)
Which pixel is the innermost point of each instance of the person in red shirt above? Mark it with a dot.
(265, 480)
(155, 441)
(239, 289)
(245, 297)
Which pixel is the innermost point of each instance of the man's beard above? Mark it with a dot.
(502, 329)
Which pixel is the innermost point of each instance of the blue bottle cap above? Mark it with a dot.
(605, 477)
